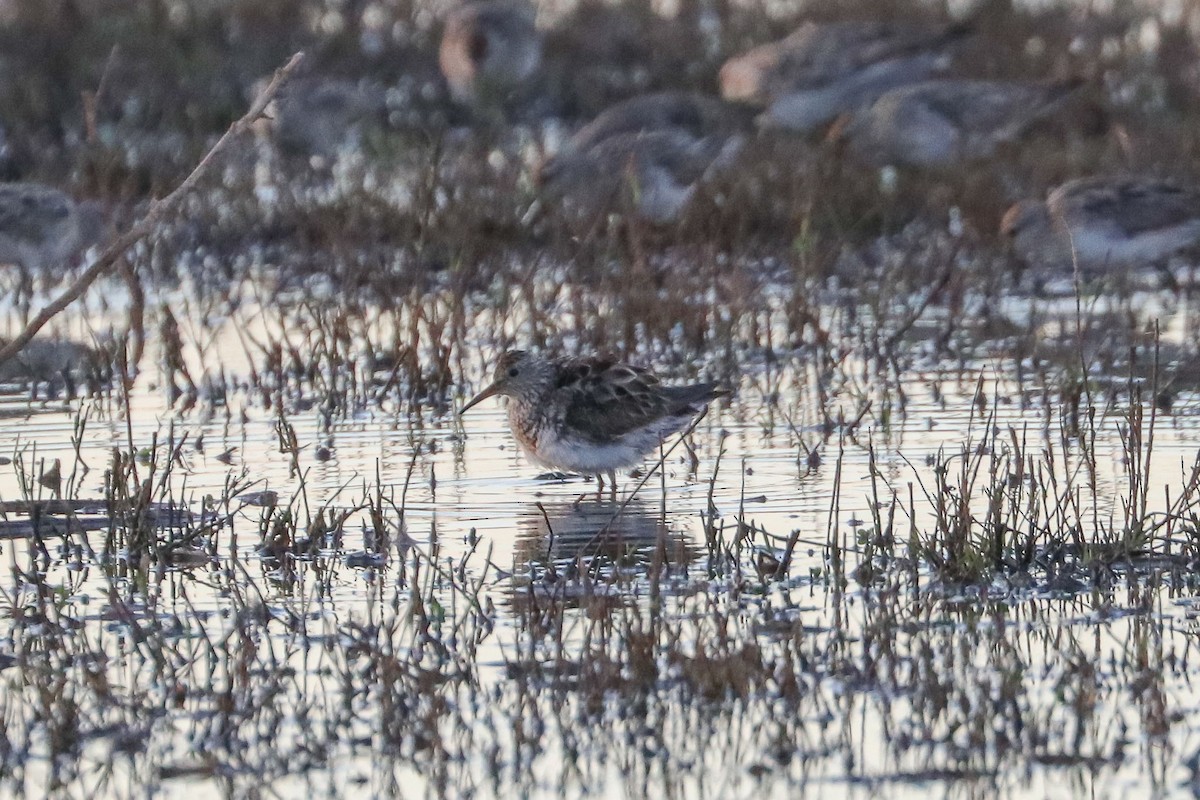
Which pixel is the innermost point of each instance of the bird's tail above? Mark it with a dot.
(687, 397)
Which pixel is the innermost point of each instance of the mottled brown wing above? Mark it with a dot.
(605, 399)
(1139, 206)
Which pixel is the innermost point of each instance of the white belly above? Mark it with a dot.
(591, 458)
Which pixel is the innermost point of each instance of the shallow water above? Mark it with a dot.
(503, 632)
(942, 539)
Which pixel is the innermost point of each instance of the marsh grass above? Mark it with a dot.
(1004, 614)
(739, 657)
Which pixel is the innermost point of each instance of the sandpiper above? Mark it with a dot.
(936, 123)
(695, 114)
(822, 70)
(1104, 222)
(488, 50)
(590, 415)
(653, 176)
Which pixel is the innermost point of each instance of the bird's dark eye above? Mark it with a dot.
(513, 372)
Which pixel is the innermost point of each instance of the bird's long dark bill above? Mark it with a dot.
(484, 395)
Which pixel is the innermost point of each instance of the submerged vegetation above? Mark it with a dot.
(946, 534)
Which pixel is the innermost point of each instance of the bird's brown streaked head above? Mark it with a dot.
(517, 372)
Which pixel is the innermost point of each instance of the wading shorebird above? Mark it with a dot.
(488, 50)
(590, 415)
(1105, 222)
(938, 123)
(653, 176)
(822, 70)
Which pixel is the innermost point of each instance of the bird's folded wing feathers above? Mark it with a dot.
(816, 54)
(1142, 206)
(605, 399)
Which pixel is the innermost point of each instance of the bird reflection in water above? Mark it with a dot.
(595, 555)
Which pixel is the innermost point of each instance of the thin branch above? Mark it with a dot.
(919, 311)
(158, 210)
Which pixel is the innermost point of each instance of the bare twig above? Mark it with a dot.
(158, 210)
(919, 311)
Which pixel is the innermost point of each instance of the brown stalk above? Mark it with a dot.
(158, 210)
(91, 100)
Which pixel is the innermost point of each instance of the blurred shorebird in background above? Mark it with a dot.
(825, 69)
(489, 51)
(319, 117)
(1105, 222)
(939, 123)
(651, 176)
(697, 115)
(43, 231)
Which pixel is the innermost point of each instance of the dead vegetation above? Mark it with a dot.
(946, 535)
